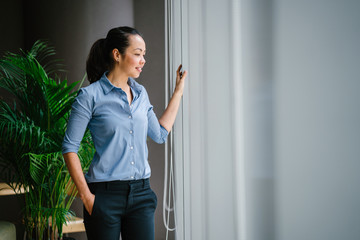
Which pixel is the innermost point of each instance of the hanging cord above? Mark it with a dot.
(169, 191)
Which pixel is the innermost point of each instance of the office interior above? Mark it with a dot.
(266, 142)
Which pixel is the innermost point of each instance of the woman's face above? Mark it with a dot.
(133, 61)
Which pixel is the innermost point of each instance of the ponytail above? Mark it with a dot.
(100, 59)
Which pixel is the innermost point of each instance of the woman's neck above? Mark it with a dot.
(118, 79)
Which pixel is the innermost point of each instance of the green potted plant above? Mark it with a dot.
(32, 128)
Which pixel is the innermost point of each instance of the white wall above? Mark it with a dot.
(205, 153)
(267, 141)
(317, 119)
(257, 66)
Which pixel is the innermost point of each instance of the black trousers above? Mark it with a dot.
(121, 207)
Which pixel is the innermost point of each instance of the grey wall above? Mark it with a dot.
(317, 116)
(72, 27)
(149, 20)
(12, 35)
(12, 38)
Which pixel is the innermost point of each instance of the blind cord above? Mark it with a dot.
(169, 183)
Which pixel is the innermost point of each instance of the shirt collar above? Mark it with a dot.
(108, 86)
(135, 86)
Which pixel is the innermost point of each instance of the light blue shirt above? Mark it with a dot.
(119, 130)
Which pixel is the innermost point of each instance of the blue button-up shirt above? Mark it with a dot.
(119, 130)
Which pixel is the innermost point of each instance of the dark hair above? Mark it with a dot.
(100, 59)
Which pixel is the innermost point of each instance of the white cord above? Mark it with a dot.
(169, 185)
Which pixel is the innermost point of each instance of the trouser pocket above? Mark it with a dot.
(94, 205)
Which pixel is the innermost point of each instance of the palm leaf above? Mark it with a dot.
(60, 98)
(43, 50)
(20, 129)
(32, 130)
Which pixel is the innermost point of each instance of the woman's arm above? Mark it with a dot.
(73, 164)
(168, 118)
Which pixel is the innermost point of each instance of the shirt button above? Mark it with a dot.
(130, 132)
(132, 163)
(131, 147)
(129, 116)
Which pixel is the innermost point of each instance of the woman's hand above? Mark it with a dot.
(89, 203)
(168, 118)
(180, 80)
(74, 166)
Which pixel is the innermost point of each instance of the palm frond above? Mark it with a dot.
(31, 133)
(43, 50)
(20, 129)
(60, 97)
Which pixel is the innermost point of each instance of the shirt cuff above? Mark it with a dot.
(164, 133)
(69, 148)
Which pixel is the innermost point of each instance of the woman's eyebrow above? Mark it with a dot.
(139, 49)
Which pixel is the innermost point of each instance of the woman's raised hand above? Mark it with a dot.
(180, 80)
(168, 118)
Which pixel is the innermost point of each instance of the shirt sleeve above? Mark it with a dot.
(155, 131)
(80, 116)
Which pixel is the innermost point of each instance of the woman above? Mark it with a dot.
(115, 191)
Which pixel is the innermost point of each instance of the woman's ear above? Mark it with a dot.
(116, 55)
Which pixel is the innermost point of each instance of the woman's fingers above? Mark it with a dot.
(179, 68)
(180, 79)
(179, 73)
(183, 75)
